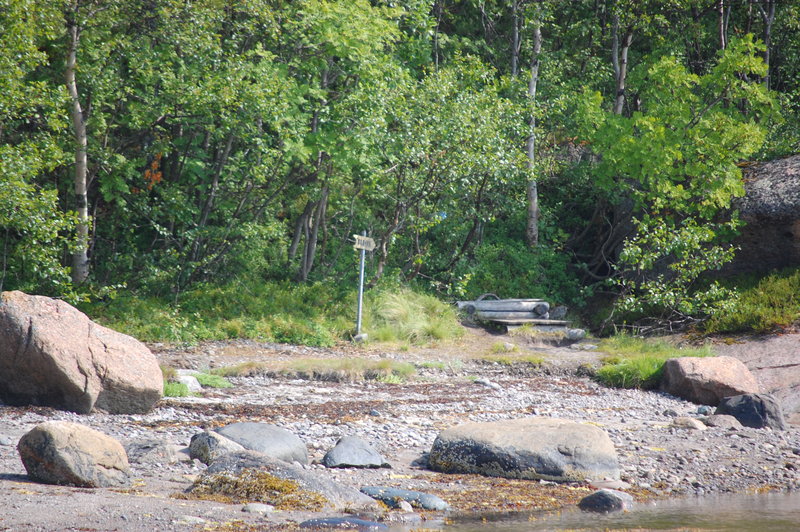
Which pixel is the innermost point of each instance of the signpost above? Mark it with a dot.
(363, 244)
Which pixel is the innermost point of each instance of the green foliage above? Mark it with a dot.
(281, 312)
(209, 380)
(763, 305)
(176, 389)
(403, 315)
(639, 363)
(677, 158)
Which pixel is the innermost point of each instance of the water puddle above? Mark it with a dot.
(771, 512)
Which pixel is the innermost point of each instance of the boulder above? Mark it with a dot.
(722, 421)
(606, 501)
(773, 360)
(392, 497)
(268, 439)
(754, 410)
(153, 452)
(351, 451)
(528, 448)
(337, 496)
(58, 452)
(706, 380)
(208, 446)
(191, 382)
(52, 354)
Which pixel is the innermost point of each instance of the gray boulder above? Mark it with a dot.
(351, 451)
(528, 448)
(706, 380)
(338, 497)
(392, 497)
(606, 501)
(754, 410)
(58, 452)
(208, 446)
(52, 354)
(268, 439)
(152, 452)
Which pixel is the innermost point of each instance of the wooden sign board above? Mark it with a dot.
(364, 242)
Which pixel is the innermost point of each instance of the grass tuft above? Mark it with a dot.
(176, 389)
(512, 359)
(406, 316)
(639, 363)
(210, 380)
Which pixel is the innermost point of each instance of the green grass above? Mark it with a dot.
(402, 315)
(512, 359)
(176, 389)
(639, 363)
(326, 369)
(304, 314)
(209, 380)
(764, 305)
(307, 314)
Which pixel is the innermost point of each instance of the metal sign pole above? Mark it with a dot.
(360, 290)
(363, 244)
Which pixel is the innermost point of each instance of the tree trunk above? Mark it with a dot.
(768, 15)
(80, 257)
(532, 229)
(619, 59)
(515, 45)
(721, 23)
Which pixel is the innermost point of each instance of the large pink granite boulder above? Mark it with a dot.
(52, 354)
(707, 380)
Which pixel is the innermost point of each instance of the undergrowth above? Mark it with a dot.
(403, 315)
(764, 305)
(639, 363)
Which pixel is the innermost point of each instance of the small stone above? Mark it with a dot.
(344, 523)
(488, 383)
(704, 410)
(689, 423)
(405, 506)
(6, 441)
(392, 497)
(374, 412)
(575, 334)
(670, 413)
(258, 508)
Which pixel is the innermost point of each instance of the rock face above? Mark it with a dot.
(771, 209)
(754, 410)
(351, 451)
(58, 452)
(338, 497)
(208, 446)
(529, 448)
(774, 362)
(706, 380)
(268, 439)
(52, 354)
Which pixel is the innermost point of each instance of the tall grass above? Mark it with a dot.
(764, 305)
(315, 314)
(639, 363)
(403, 315)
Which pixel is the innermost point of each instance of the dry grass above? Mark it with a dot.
(325, 369)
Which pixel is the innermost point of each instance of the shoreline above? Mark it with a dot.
(400, 420)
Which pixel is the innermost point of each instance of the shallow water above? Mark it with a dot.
(772, 512)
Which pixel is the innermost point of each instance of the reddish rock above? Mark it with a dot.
(52, 354)
(707, 380)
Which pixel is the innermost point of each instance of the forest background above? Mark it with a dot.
(196, 169)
